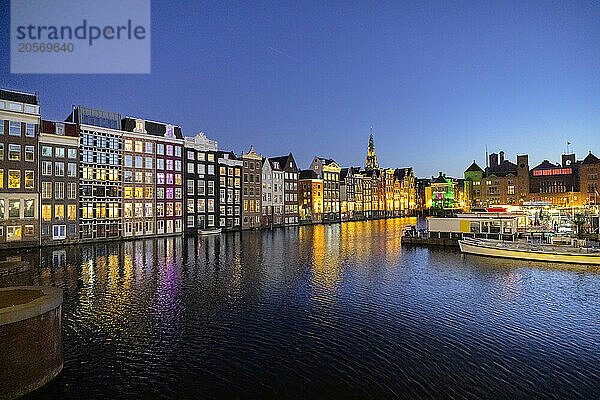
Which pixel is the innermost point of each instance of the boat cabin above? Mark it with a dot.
(501, 226)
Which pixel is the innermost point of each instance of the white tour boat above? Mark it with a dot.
(530, 251)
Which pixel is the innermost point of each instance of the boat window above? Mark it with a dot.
(495, 227)
(485, 227)
(474, 227)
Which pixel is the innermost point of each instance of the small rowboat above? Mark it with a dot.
(529, 251)
(212, 231)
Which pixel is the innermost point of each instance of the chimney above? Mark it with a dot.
(501, 157)
(493, 160)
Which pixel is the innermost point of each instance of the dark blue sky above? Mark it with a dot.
(437, 80)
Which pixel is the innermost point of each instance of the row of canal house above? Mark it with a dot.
(356, 195)
(329, 193)
(101, 176)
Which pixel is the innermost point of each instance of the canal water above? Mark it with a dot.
(339, 311)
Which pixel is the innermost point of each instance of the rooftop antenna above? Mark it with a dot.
(486, 157)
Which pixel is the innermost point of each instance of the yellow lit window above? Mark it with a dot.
(14, 179)
(72, 212)
(178, 179)
(1, 178)
(128, 144)
(139, 146)
(128, 209)
(128, 192)
(46, 212)
(29, 180)
(139, 193)
(59, 212)
(148, 192)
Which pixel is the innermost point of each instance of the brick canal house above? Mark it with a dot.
(169, 177)
(310, 197)
(347, 194)
(251, 189)
(358, 177)
(230, 186)
(589, 170)
(100, 195)
(139, 179)
(328, 170)
(266, 220)
(19, 190)
(59, 182)
(201, 170)
(290, 184)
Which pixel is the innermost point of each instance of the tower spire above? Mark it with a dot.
(371, 161)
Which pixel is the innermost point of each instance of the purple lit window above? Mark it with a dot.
(169, 193)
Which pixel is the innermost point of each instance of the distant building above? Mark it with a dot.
(59, 180)
(251, 189)
(407, 191)
(152, 178)
(440, 193)
(230, 187)
(288, 165)
(310, 197)
(201, 183)
(589, 170)
(100, 186)
(328, 170)
(19, 171)
(347, 194)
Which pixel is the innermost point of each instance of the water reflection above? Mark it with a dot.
(328, 311)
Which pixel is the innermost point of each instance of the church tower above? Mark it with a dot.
(371, 162)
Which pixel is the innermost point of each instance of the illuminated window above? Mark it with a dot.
(148, 192)
(14, 152)
(59, 212)
(14, 179)
(46, 212)
(139, 146)
(128, 210)
(128, 143)
(139, 210)
(139, 193)
(29, 153)
(128, 192)
(29, 181)
(72, 212)
(1, 178)
(148, 209)
(13, 233)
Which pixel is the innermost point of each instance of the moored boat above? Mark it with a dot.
(530, 251)
(212, 231)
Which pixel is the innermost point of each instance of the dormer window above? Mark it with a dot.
(139, 126)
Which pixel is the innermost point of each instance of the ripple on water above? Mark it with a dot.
(340, 311)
